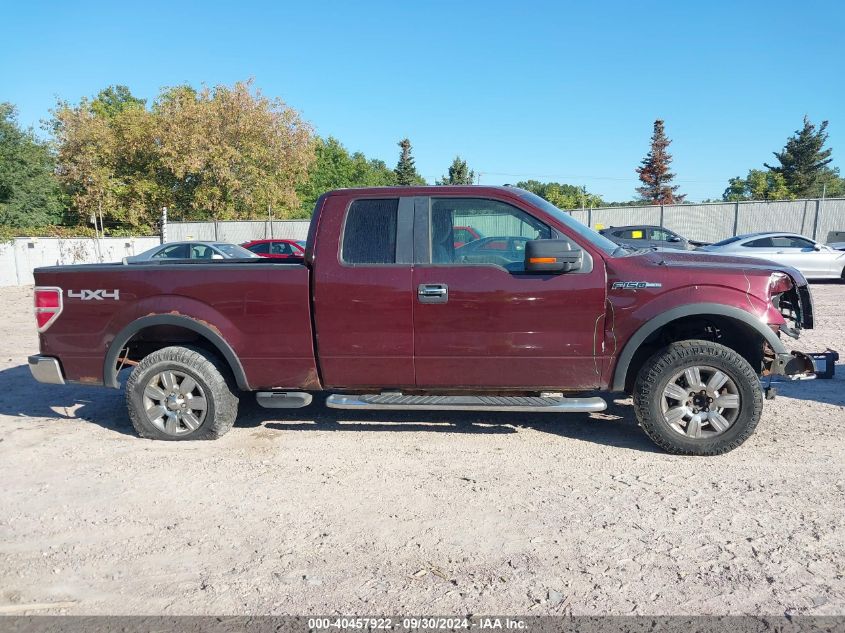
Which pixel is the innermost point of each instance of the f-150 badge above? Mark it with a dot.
(635, 285)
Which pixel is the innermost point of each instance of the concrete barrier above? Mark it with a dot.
(19, 258)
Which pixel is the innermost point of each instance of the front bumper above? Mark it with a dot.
(46, 369)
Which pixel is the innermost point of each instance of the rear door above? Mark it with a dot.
(363, 304)
(481, 321)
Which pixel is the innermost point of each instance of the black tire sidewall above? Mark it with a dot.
(677, 357)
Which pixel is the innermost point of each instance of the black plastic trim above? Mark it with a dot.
(110, 374)
(695, 309)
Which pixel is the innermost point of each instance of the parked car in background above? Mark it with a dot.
(645, 236)
(192, 250)
(836, 240)
(465, 235)
(813, 259)
(276, 248)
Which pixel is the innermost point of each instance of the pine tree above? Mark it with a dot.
(406, 172)
(459, 174)
(654, 172)
(803, 160)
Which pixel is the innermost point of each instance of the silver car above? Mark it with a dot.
(192, 250)
(813, 259)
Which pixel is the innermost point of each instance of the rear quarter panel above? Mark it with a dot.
(261, 310)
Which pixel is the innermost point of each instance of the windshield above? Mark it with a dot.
(600, 241)
(234, 251)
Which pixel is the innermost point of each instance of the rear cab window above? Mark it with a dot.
(369, 232)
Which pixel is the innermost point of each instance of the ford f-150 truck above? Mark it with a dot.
(387, 310)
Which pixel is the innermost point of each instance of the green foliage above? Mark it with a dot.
(758, 185)
(459, 174)
(561, 195)
(113, 100)
(803, 160)
(335, 168)
(29, 192)
(405, 171)
(220, 153)
(654, 171)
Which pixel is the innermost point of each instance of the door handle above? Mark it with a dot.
(433, 293)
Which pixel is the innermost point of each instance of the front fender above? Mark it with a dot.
(695, 309)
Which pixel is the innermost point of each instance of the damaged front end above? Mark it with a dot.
(795, 304)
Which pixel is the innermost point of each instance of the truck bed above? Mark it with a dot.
(260, 310)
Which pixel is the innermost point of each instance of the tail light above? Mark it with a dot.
(48, 306)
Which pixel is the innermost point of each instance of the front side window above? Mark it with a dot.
(281, 248)
(369, 236)
(201, 251)
(787, 241)
(506, 227)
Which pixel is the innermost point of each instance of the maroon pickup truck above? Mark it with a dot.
(387, 310)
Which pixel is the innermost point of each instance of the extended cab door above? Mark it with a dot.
(481, 321)
(361, 279)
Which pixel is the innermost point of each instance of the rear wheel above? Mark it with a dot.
(180, 393)
(698, 398)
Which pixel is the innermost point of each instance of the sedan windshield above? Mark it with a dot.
(597, 240)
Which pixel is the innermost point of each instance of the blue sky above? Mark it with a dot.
(552, 91)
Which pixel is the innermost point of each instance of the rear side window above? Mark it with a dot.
(369, 236)
(763, 242)
(262, 248)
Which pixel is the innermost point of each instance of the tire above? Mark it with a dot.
(697, 424)
(190, 389)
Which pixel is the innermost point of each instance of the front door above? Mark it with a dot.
(363, 306)
(481, 321)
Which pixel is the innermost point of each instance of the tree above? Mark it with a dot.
(235, 150)
(758, 185)
(113, 100)
(406, 172)
(459, 174)
(561, 195)
(29, 191)
(803, 160)
(222, 153)
(334, 168)
(654, 171)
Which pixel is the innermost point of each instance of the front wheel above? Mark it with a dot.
(181, 393)
(698, 398)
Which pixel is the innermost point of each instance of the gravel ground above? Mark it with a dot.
(320, 511)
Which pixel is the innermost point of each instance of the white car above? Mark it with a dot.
(813, 259)
(192, 250)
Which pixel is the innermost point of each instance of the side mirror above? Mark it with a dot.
(673, 238)
(217, 256)
(552, 256)
(818, 247)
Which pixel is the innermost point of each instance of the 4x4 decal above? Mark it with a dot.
(99, 295)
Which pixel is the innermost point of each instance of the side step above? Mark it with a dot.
(531, 404)
(283, 399)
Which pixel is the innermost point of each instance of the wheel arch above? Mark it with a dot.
(745, 320)
(214, 340)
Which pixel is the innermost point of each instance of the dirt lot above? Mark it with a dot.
(323, 511)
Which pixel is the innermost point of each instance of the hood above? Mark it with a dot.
(712, 262)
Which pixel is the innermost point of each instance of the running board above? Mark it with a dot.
(531, 404)
(283, 399)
